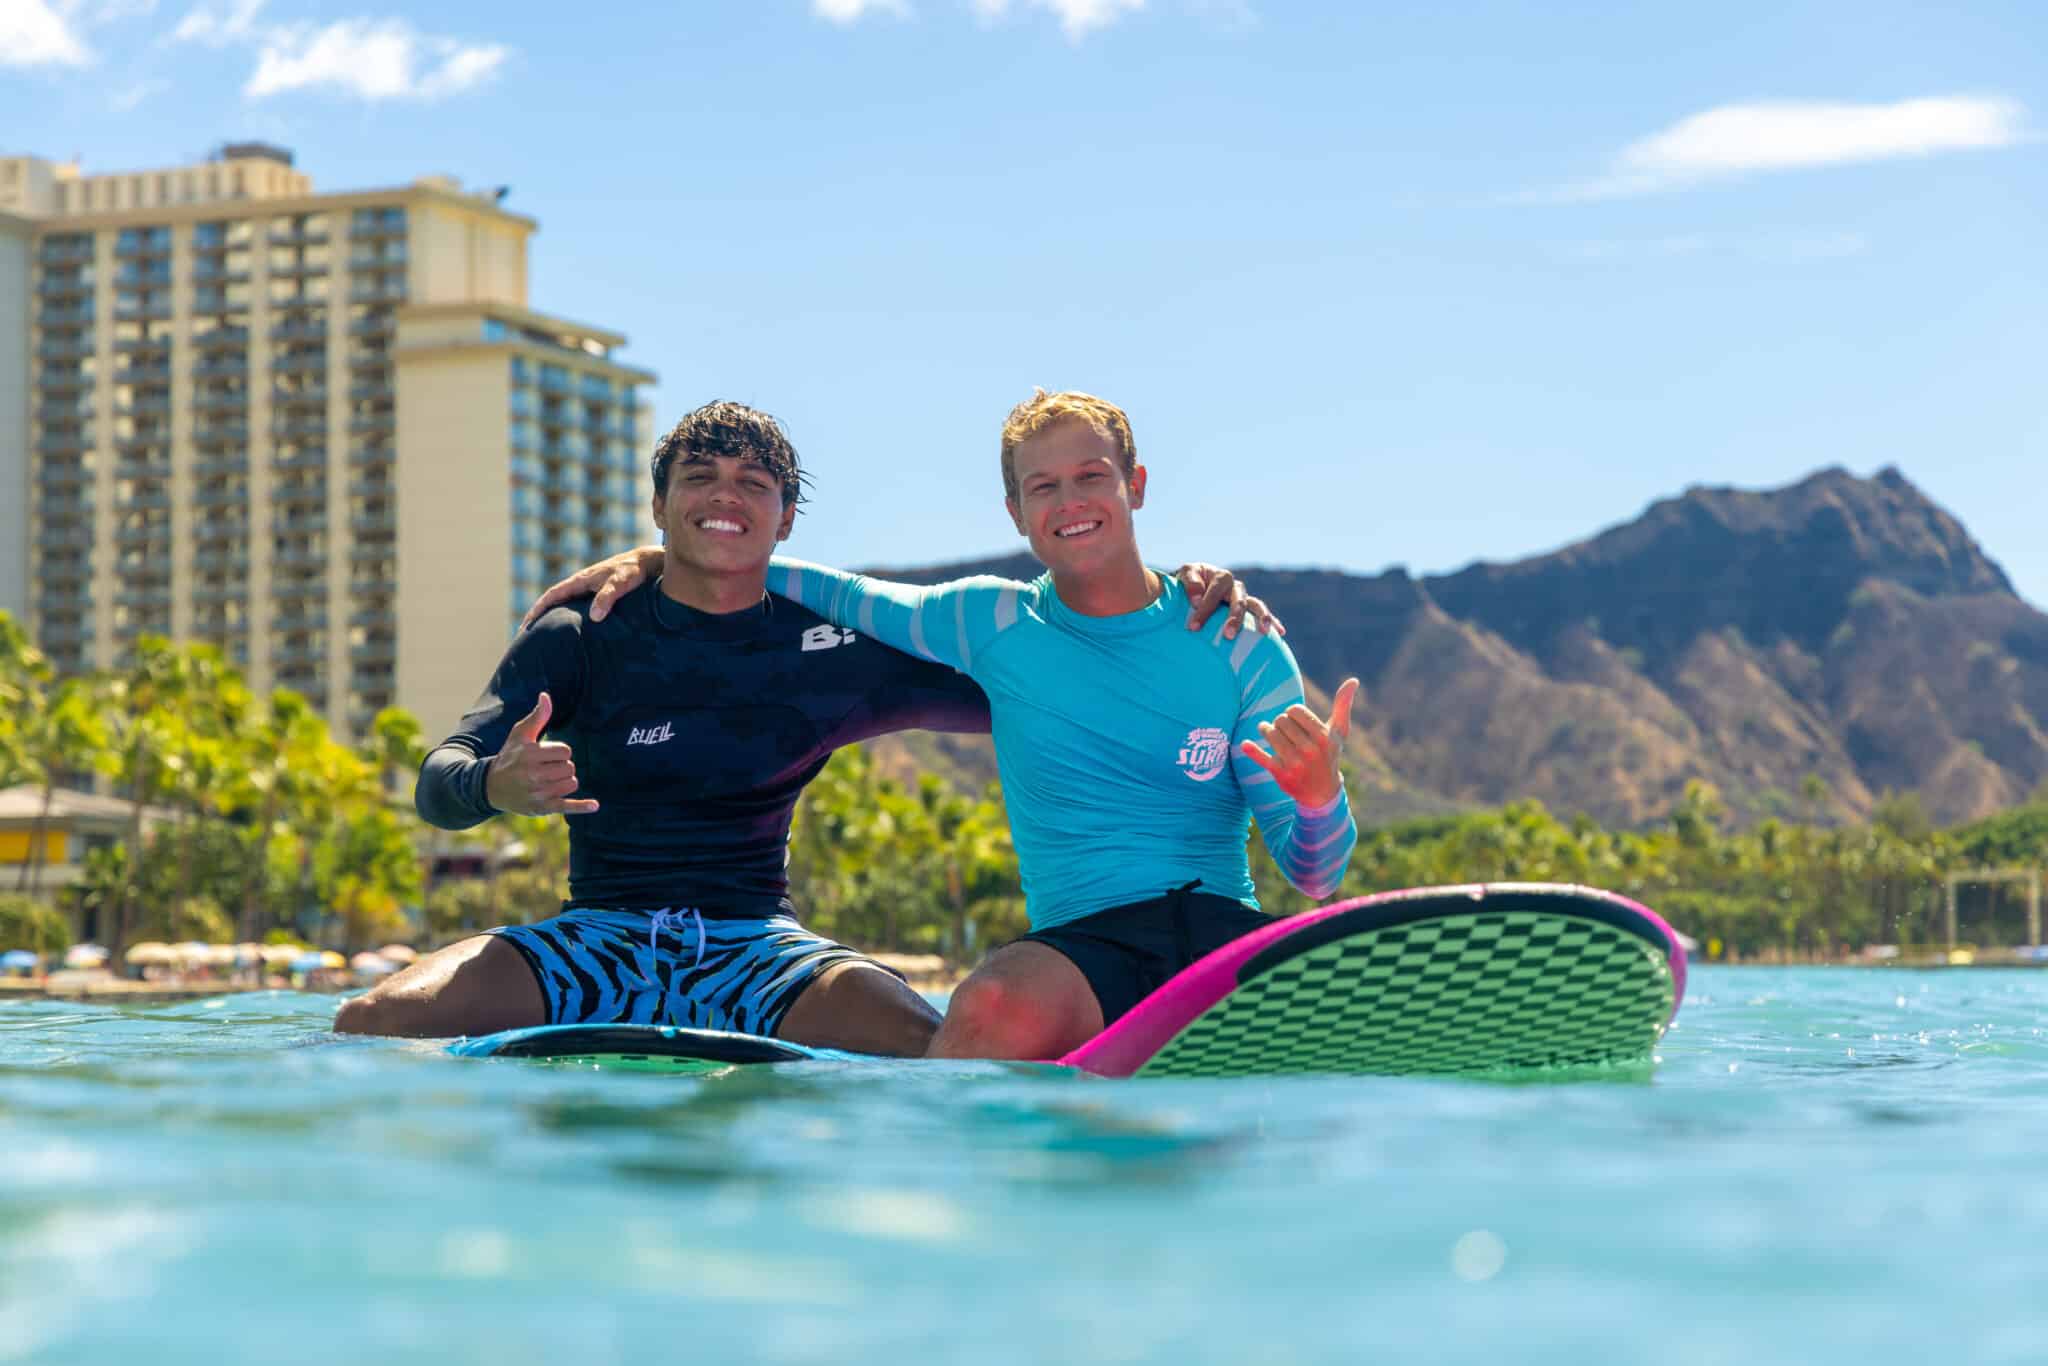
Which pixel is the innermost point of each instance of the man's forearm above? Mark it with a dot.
(450, 793)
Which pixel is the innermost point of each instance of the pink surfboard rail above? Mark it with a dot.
(1131, 1042)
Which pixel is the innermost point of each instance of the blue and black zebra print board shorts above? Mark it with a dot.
(673, 967)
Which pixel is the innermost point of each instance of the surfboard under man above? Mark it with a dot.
(1131, 751)
(675, 734)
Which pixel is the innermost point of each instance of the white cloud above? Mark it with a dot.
(1782, 135)
(371, 59)
(847, 11)
(219, 25)
(134, 95)
(33, 34)
(1076, 17)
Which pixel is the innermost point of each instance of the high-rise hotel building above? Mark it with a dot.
(321, 431)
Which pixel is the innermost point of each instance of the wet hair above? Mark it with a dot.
(735, 430)
(1043, 410)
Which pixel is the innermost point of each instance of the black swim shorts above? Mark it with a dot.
(1128, 952)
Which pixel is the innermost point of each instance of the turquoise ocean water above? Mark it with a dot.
(1828, 1165)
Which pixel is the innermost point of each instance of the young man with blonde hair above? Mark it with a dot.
(1131, 750)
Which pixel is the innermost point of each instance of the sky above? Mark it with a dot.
(1378, 285)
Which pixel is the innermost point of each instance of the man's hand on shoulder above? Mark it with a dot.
(1209, 587)
(622, 573)
(532, 776)
(1303, 752)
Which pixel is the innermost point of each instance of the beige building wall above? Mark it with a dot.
(454, 423)
(16, 239)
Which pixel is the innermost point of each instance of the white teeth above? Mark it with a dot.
(718, 524)
(1077, 529)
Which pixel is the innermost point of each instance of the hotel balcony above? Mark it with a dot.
(299, 398)
(139, 346)
(54, 635)
(150, 537)
(221, 466)
(64, 537)
(364, 423)
(303, 654)
(374, 618)
(371, 457)
(141, 310)
(67, 285)
(300, 363)
(298, 428)
(236, 368)
(221, 563)
(371, 584)
(220, 531)
(152, 406)
(299, 620)
(378, 292)
(299, 493)
(298, 235)
(222, 498)
(214, 594)
(299, 588)
(297, 557)
(56, 252)
(207, 271)
(304, 460)
(371, 553)
(372, 488)
(64, 315)
(286, 523)
(69, 442)
(64, 474)
(65, 346)
(372, 229)
(374, 524)
(147, 501)
(215, 434)
(221, 338)
(298, 268)
(132, 373)
(138, 248)
(373, 391)
(299, 331)
(374, 326)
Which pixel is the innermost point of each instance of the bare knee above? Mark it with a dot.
(479, 986)
(993, 1018)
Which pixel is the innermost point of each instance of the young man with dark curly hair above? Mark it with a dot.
(1132, 752)
(674, 733)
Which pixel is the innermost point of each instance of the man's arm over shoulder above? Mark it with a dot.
(1311, 844)
(947, 623)
(548, 657)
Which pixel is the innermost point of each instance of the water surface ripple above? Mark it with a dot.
(1829, 1164)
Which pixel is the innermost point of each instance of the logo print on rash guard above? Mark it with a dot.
(1204, 753)
(652, 735)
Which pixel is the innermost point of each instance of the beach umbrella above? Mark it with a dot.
(280, 955)
(370, 965)
(18, 960)
(149, 953)
(191, 951)
(330, 959)
(220, 955)
(399, 953)
(84, 956)
(309, 961)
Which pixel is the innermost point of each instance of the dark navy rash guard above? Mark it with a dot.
(695, 732)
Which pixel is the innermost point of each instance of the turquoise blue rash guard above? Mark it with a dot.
(1116, 737)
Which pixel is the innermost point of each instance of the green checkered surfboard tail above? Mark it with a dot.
(1451, 983)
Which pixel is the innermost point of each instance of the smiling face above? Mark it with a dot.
(722, 514)
(1073, 501)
